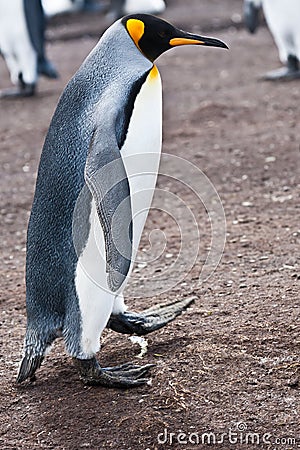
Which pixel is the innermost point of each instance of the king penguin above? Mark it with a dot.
(22, 44)
(283, 19)
(95, 182)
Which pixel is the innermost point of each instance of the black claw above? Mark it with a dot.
(124, 376)
(131, 375)
(149, 320)
(128, 368)
(122, 367)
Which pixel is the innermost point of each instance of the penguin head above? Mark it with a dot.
(153, 36)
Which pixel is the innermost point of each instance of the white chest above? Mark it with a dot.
(141, 150)
(141, 155)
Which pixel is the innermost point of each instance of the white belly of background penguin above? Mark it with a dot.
(15, 43)
(144, 6)
(283, 19)
(94, 188)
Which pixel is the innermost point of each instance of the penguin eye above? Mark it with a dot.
(162, 34)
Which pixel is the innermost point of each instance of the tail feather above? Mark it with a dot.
(35, 347)
(30, 363)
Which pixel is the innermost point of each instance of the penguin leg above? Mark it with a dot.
(149, 320)
(96, 307)
(122, 377)
(288, 73)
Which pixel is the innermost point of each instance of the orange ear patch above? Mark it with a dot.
(136, 29)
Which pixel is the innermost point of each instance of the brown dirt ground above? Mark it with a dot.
(233, 357)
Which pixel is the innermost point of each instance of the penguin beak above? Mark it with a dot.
(251, 16)
(193, 39)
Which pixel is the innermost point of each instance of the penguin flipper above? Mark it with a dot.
(150, 319)
(251, 15)
(106, 178)
(35, 21)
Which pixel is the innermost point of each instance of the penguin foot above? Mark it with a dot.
(24, 90)
(282, 74)
(288, 73)
(122, 377)
(149, 320)
(46, 68)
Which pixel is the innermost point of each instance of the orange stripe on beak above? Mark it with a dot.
(184, 41)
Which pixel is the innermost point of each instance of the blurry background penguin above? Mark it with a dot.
(120, 8)
(22, 44)
(283, 19)
(55, 7)
(115, 8)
